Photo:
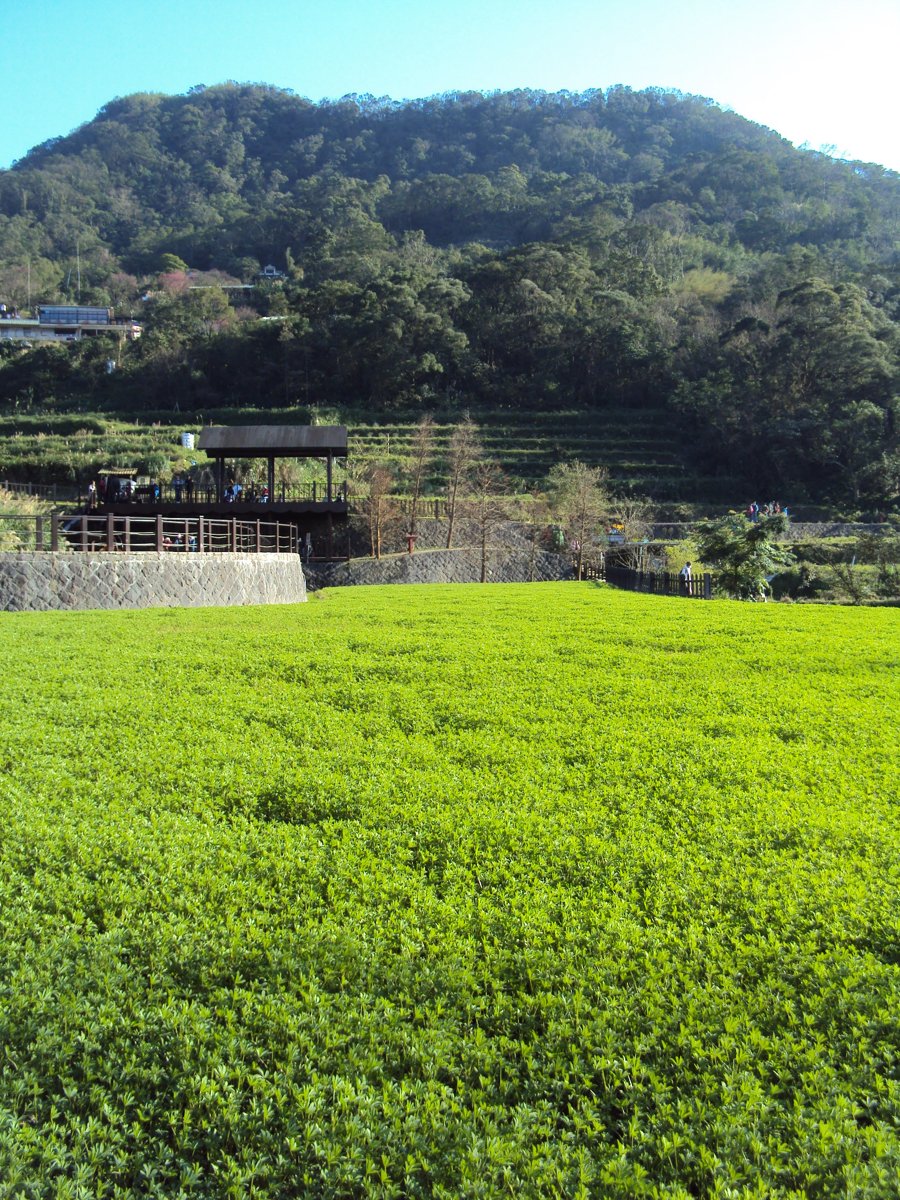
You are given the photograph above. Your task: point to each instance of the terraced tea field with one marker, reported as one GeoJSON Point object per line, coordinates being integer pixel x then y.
{"type": "Point", "coordinates": [640, 448]}
{"type": "Point", "coordinates": [538, 891]}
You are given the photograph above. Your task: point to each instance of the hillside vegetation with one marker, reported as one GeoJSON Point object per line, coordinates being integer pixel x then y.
{"type": "Point", "coordinates": [450, 892]}
{"type": "Point", "coordinates": [605, 252]}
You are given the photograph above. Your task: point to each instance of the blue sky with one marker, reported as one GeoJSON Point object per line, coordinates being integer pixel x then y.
{"type": "Point", "coordinates": [823, 72]}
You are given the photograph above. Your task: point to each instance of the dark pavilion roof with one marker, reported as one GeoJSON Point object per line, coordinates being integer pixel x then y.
{"type": "Point", "coordinates": [278, 441]}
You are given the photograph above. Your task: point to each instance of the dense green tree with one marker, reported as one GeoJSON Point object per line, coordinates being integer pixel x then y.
{"type": "Point", "coordinates": [747, 554]}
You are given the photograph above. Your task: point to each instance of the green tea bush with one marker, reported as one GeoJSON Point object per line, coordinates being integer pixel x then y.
{"type": "Point", "coordinates": [451, 892]}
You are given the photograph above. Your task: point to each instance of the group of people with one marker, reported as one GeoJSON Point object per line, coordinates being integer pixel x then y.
{"type": "Point", "coordinates": [116, 490]}
{"type": "Point", "coordinates": [235, 490]}
{"type": "Point", "coordinates": [183, 487]}
{"type": "Point", "coordinates": [753, 511]}
{"type": "Point", "coordinates": [178, 542]}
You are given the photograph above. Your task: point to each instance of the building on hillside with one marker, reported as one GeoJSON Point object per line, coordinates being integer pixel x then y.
{"type": "Point", "coordinates": [65, 323]}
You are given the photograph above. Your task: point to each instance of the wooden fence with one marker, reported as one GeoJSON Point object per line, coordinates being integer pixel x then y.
{"type": "Point", "coordinates": [109, 532]}
{"type": "Point", "coordinates": [661, 583]}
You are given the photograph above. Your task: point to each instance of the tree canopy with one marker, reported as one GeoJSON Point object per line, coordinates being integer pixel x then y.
{"type": "Point", "coordinates": [505, 251]}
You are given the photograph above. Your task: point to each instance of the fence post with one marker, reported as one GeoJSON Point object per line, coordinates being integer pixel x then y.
{"type": "Point", "coordinates": [258, 539]}
{"type": "Point", "coordinates": [84, 533]}
{"type": "Point", "coordinates": [200, 531]}
{"type": "Point", "coordinates": [54, 531]}
{"type": "Point", "coordinates": [707, 586]}
{"type": "Point", "coordinates": [234, 535]}
{"type": "Point", "coordinates": [159, 531]}
{"type": "Point", "coordinates": [110, 533]}
{"type": "Point", "coordinates": [39, 533]}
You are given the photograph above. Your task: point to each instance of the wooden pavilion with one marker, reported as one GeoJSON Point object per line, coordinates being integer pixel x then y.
{"type": "Point", "coordinates": [316, 516]}
{"type": "Point", "coordinates": [271, 442]}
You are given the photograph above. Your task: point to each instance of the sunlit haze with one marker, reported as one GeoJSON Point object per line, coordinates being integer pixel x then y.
{"type": "Point", "coordinates": [820, 72]}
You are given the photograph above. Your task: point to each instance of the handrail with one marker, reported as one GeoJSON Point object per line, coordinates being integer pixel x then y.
{"type": "Point", "coordinates": [124, 532]}
{"type": "Point", "coordinates": [206, 493]}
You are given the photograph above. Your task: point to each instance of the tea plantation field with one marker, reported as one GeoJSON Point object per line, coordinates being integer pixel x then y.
{"type": "Point", "coordinates": [539, 891]}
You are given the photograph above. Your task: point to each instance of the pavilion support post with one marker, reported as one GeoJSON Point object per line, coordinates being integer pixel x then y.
{"type": "Point", "coordinates": [329, 462]}
{"type": "Point", "coordinates": [270, 479]}
{"type": "Point", "coordinates": [220, 478]}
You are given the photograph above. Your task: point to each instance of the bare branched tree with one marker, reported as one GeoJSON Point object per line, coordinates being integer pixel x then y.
{"type": "Point", "coordinates": [533, 512]}
{"type": "Point", "coordinates": [421, 456]}
{"type": "Point", "coordinates": [634, 518]}
{"type": "Point", "coordinates": [464, 452]}
{"type": "Point", "coordinates": [379, 505]}
{"type": "Point", "coordinates": [487, 505]}
{"type": "Point", "coordinates": [579, 501]}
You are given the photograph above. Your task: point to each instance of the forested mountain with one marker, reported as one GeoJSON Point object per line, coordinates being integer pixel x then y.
{"type": "Point", "coordinates": [611, 249]}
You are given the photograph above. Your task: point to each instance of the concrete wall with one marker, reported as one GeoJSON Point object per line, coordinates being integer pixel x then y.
{"type": "Point", "coordinates": [34, 581]}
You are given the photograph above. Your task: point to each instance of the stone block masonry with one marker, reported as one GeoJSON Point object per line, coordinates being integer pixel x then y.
{"type": "Point", "coordinates": [37, 582]}
{"type": "Point", "coordinates": [443, 566]}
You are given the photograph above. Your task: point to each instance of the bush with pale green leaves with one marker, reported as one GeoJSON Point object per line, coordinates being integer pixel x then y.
{"type": "Point", "coordinates": [533, 891]}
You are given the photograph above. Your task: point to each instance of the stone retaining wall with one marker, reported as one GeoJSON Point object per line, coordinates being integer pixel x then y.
{"type": "Point", "coordinates": [35, 581]}
{"type": "Point", "coordinates": [443, 566]}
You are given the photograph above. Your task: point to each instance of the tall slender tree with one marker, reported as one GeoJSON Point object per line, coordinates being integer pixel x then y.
{"type": "Point", "coordinates": [422, 453]}
{"type": "Point", "coordinates": [487, 505]}
{"type": "Point", "coordinates": [378, 505]}
{"type": "Point", "coordinates": [464, 452]}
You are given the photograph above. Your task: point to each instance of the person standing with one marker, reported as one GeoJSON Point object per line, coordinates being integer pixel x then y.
{"type": "Point", "coordinates": [686, 579]}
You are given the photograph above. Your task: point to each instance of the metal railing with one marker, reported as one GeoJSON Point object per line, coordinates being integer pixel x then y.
{"type": "Point", "coordinates": [206, 493]}
{"type": "Point", "coordinates": [115, 532]}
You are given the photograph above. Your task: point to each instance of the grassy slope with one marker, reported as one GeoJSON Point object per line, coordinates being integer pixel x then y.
{"type": "Point", "coordinates": [460, 891]}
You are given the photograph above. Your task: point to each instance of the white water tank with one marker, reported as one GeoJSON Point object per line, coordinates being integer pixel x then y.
{"type": "Point", "coordinates": [187, 441]}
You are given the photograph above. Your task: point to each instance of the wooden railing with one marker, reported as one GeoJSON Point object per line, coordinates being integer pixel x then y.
{"type": "Point", "coordinates": [116, 532]}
